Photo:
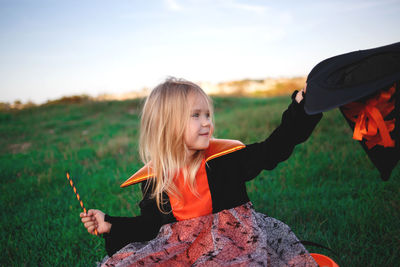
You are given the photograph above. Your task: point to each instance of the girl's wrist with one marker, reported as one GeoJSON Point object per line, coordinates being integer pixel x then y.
{"type": "Point", "coordinates": [108, 227]}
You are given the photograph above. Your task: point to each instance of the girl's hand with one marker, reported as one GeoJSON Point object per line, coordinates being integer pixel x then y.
{"type": "Point", "coordinates": [94, 219]}
{"type": "Point", "coordinates": [299, 96]}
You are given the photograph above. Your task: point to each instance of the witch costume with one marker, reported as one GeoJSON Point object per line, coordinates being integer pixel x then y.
{"type": "Point", "coordinates": [219, 226]}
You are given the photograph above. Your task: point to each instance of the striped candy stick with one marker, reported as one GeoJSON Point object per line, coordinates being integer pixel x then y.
{"type": "Point", "coordinates": [78, 197]}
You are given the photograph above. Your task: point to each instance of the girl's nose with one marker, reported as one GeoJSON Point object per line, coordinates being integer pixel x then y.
{"type": "Point", "coordinates": [205, 122]}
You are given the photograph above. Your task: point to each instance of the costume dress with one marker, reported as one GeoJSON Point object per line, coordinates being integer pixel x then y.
{"type": "Point", "coordinates": [220, 228]}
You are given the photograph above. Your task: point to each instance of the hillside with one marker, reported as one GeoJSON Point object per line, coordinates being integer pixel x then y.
{"type": "Point", "coordinates": [327, 191]}
{"type": "Point", "coordinates": [267, 87]}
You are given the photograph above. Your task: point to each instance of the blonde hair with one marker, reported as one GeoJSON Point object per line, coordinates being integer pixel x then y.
{"type": "Point", "coordinates": [165, 117]}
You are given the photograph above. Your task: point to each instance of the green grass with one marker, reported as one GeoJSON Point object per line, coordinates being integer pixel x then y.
{"type": "Point", "coordinates": [327, 191]}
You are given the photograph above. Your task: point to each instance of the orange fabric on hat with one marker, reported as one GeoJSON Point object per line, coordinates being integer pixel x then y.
{"type": "Point", "coordinates": [369, 119]}
{"type": "Point", "coordinates": [188, 205]}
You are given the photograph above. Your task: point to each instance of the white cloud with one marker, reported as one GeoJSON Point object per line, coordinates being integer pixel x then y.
{"type": "Point", "coordinates": [253, 8]}
{"type": "Point", "coordinates": [258, 9]}
{"type": "Point", "coordinates": [366, 5]}
{"type": "Point", "coordinates": [173, 5]}
{"type": "Point", "coordinates": [344, 6]}
{"type": "Point", "coordinates": [247, 34]}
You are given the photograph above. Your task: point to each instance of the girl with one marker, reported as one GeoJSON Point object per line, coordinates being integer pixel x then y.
{"type": "Point", "coordinates": [195, 209]}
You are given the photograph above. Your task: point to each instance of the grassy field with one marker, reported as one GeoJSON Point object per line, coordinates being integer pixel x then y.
{"type": "Point", "coordinates": [328, 191]}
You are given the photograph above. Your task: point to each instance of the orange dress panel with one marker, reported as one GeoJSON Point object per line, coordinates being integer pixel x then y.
{"type": "Point", "coordinates": [189, 205]}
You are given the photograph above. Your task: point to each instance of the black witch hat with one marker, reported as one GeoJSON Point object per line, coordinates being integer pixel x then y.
{"type": "Point", "coordinates": [365, 85]}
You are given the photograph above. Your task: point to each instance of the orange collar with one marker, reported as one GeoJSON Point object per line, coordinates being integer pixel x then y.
{"type": "Point", "coordinates": [217, 148]}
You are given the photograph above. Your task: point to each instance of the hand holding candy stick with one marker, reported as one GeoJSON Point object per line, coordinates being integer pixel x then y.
{"type": "Point", "coordinates": [94, 221]}
{"type": "Point", "coordinates": [79, 198]}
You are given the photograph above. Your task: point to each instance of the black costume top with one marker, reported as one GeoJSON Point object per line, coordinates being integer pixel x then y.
{"type": "Point", "coordinates": [227, 173]}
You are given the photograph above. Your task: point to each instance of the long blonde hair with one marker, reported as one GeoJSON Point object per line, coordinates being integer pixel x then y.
{"type": "Point", "coordinates": [165, 117]}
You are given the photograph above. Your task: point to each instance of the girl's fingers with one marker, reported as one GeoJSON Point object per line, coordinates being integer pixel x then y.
{"type": "Point", "coordinates": [86, 219]}
{"type": "Point", "coordinates": [89, 221]}
{"type": "Point", "coordinates": [91, 212]}
{"type": "Point", "coordinates": [89, 224]}
{"type": "Point", "coordinates": [299, 96]}
{"type": "Point", "coordinates": [91, 229]}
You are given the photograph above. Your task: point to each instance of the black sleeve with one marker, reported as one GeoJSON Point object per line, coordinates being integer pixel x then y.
{"type": "Point", "coordinates": [125, 230]}
{"type": "Point", "coordinates": [296, 126]}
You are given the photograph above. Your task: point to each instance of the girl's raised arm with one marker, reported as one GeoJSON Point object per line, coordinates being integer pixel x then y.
{"type": "Point", "coordinates": [296, 126]}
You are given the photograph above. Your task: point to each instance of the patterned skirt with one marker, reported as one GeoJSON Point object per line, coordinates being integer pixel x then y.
{"type": "Point", "coordinates": [236, 237]}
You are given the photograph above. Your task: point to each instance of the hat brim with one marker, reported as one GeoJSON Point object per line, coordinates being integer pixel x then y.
{"type": "Point", "coordinates": [331, 83]}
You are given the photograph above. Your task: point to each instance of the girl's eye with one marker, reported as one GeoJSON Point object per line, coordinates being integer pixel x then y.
{"type": "Point", "coordinates": [196, 115]}
{"type": "Point", "coordinates": [208, 115]}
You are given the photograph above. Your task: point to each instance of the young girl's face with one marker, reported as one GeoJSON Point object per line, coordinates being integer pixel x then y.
{"type": "Point", "coordinates": [199, 129]}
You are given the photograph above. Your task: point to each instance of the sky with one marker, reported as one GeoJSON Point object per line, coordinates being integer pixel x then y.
{"type": "Point", "coordinates": [50, 48]}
